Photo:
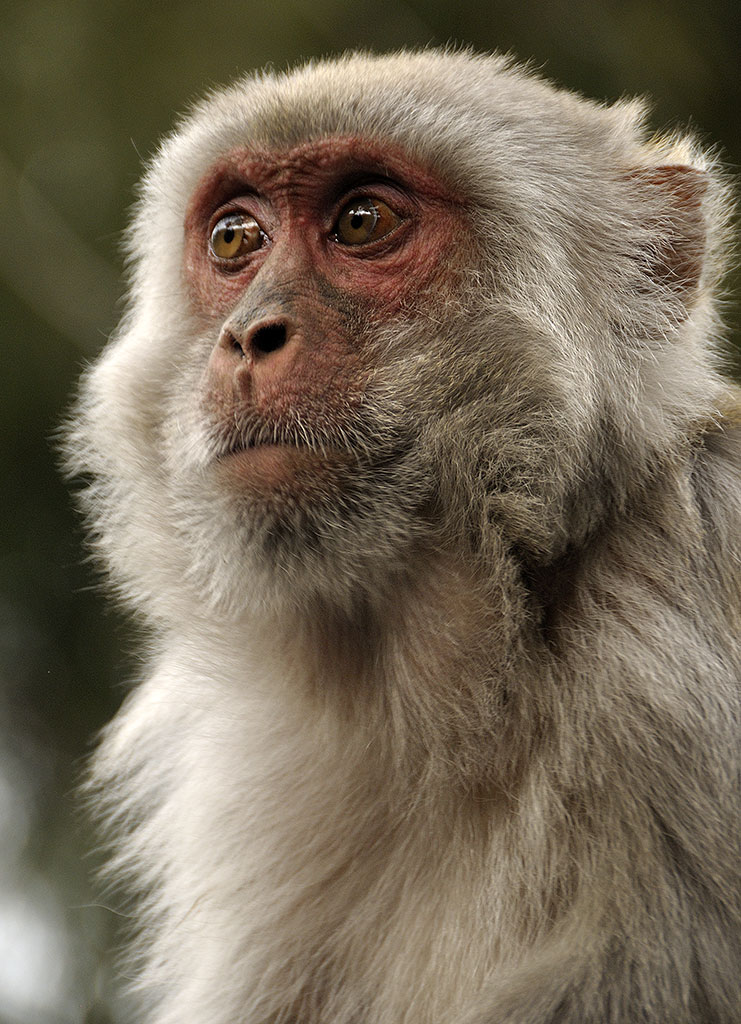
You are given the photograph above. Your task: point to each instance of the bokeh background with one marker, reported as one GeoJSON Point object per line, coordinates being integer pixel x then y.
{"type": "Point", "coordinates": [87, 89]}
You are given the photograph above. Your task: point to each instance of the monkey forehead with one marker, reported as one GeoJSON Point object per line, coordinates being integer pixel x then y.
{"type": "Point", "coordinates": [315, 165]}
{"type": "Point", "coordinates": [468, 118]}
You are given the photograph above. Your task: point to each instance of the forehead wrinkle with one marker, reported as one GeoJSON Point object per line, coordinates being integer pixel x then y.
{"type": "Point", "coordinates": [257, 167]}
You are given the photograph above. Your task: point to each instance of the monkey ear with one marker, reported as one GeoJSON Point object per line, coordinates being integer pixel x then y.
{"type": "Point", "coordinates": [677, 223]}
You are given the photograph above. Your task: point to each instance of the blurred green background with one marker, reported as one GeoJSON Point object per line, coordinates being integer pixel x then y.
{"type": "Point", "coordinates": [88, 87]}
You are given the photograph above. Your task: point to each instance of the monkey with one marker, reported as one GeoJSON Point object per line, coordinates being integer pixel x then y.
{"type": "Point", "coordinates": [414, 459]}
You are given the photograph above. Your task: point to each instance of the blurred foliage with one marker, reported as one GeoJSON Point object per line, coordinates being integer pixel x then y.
{"type": "Point", "coordinates": [87, 89]}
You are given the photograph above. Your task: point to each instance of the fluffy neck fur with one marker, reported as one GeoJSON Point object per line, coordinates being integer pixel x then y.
{"type": "Point", "coordinates": [369, 774]}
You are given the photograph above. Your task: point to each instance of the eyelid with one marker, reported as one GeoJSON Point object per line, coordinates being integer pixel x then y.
{"type": "Point", "coordinates": [374, 188]}
{"type": "Point", "coordinates": [244, 203]}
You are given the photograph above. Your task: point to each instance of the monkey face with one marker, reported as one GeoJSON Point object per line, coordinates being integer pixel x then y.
{"type": "Point", "coordinates": [311, 275]}
{"type": "Point", "coordinates": [292, 259]}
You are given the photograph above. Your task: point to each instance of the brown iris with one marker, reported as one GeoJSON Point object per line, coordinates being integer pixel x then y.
{"type": "Point", "coordinates": [235, 235]}
{"type": "Point", "coordinates": [365, 220]}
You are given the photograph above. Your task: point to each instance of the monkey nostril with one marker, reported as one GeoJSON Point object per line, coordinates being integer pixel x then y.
{"type": "Point", "coordinates": [229, 342]}
{"type": "Point", "coordinates": [269, 338]}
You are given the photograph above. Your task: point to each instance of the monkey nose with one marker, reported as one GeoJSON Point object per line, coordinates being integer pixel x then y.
{"type": "Point", "coordinates": [257, 340]}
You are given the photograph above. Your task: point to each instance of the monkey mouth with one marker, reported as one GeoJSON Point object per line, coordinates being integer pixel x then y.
{"type": "Point", "coordinates": [265, 468]}
{"type": "Point", "coordinates": [266, 456]}
{"type": "Point", "coordinates": [291, 454]}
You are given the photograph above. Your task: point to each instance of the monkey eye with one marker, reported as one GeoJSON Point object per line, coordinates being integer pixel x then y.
{"type": "Point", "coordinates": [235, 235]}
{"type": "Point", "coordinates": [365, 220]}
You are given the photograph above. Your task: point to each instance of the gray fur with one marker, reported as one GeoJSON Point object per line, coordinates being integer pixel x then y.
{"type": "Point", "coordinates": [461, 747]}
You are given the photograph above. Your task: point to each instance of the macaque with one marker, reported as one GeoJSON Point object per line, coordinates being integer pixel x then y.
{"type": "Point", "coordinates": [413, 456]}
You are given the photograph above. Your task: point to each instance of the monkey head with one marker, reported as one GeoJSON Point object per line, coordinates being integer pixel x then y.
{"type": "Point", "coordinates": [381, 306]}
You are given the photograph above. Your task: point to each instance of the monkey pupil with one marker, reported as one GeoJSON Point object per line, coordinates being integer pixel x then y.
{"type": "Point", "coordinates": [356, 221]}
{"type": "Point", "coordinates": [228, 235]}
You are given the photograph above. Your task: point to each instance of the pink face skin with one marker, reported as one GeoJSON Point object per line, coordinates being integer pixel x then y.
{"type": "Point", "coordinates": [288, 312]}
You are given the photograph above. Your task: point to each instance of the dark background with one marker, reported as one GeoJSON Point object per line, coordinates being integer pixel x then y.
{"type": "Point", "coordinates": [87, 88]}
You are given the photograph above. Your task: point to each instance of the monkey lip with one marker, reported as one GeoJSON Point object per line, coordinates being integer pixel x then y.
{"type": "Point", "coordinates": [268, 464]}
